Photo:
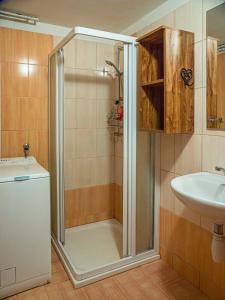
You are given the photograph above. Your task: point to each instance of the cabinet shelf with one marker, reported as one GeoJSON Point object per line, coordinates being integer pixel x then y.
{"type": "Point", "coordinates": [158, 82]}
{"type": "Point", "coordinates": [165, 103]}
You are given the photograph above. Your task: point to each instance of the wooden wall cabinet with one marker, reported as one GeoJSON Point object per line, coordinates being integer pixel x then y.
{"type": "Point", "coordinates": [165, 103]}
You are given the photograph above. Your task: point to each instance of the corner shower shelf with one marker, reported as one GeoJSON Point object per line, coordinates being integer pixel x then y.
{"type": "Point", "coordinates": [115, 123]}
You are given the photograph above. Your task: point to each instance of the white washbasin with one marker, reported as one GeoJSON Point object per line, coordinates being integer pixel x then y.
{"type": "Point", "coordinates": [202, 192]}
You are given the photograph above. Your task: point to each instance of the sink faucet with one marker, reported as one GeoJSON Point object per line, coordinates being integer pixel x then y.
{"type": "Point", "coordinates": [220, 169]}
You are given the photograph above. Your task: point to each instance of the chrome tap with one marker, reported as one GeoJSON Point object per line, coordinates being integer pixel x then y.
{"type": "Point", "coordinates": [217, 168]}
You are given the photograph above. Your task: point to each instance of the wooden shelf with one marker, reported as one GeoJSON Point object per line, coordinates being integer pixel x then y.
{"type": "Point", "coordinates": [153, 83]}
{"type": "Point", "coordinates": [165, 103]}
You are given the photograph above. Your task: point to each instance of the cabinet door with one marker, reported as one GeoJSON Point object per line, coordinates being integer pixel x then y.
{"type": "Point", "coordinates": [179, 98]}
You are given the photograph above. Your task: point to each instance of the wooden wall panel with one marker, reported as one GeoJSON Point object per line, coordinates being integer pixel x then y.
{"type": "Point", "coordinates": [24, 92]}
{"type": "Point", "coordinates": [179, 107]}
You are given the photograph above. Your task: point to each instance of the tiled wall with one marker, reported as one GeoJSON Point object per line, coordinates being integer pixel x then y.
{"type": "Point", "coordinates": [91, 152]}
{"type": "Point", "coordinates": [24, 93]}
{"type": "Point", "coordinates": [185, 237]}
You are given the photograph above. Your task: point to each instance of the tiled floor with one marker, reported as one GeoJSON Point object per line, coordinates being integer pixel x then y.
{"type": "Point", "coordinates": [154, 281]}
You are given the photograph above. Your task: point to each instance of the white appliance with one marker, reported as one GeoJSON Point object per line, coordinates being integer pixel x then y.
{"type": "Point", "coordinates": [25, 245]}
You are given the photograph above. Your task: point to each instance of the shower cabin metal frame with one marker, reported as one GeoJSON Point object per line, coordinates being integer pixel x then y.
{"type": "Point", "coordinates": [129, 163]}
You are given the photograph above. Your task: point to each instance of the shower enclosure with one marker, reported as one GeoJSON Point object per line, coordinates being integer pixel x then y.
{"type": "Point", "coordinates": [103, 208]}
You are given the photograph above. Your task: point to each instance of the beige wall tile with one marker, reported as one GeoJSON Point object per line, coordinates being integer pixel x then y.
{"type": "Point", "coordinates": [189, 17]}
{"type": "Point", "coordinates": [69, 83]}
{"type": "Point", "coordinates": [85, 54]}
{"type": "Point", "coordinates": [82, 172]}
{"type": "Point", "coordinates": [167, 152]}
{"type": "Point", "coordinates": [105, 142]}
{"type": "Point", "coordinates": [85, 84]}
{"type": "Point", "coordinates": [198, 113]}
{"type": "Point", "coordinates": [207, 223]}
{"type": "Point", "coordinates": [168, 20]}
{"type": "Point", "coordinates": [184, 212]}
{"type": "Point", "coordinates": [70, 144]}
{"type": "Point", "coordinates": [85, 143]}
{"type": "Point", "coordinates": [198, 64]}
{"type": "Point", "coordinates": [68, 174]}
{"type": "Point", "coordinates": [105, 168]}
{"type": "Point", "coordinates": [104, 52]}
{"type": "Point", "coordinates": [104, 108]}
{"type": "Point", "coordinates": [70, 113]}
{"type": "Point", "coordinates": [213, 152]}
{"type": "Point", "coordinates": [69, 54]}
{"type": "Point", "coordinates": [119, 147]}
{"type": "Point", "coordinates": [167, 196]}
{"type": "Point", "coordinates": [119, 170]}
{"type": "Point", "coordinates": [105, 87]}
{"type": "Point", "coordinates": [86, 113]}
{"type": "Point", "coordinates": [188, 153]}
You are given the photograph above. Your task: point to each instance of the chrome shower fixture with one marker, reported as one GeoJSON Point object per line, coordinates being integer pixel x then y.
{"type": "Point", "coordinates": [112, 65]}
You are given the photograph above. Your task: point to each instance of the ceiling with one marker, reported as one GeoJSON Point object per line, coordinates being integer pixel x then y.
{"type": "Point", "coordinates": [109, 15]}
{"type": "Point", "coordinates": [215, 23]}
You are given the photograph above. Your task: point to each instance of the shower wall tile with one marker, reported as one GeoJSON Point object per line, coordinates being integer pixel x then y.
{"type": "Point", "coordinates": [85, 84]}
{"type": "Point", "coordinates": [105, 87]}
{"type": "Point", "coordinates": [119, 171]}
{"type": "Point", "coordinates": [85, 143]}
{"type": "Point", "coordinates": [69, 54]}
{"type": "Point", "coordinates": [105, 169]}
{"type": "Point", "coordinates": [70, 111]}
{"type": "Point", "coordinates": [105, 52]}
{"type": "Point", "coordinates": [104, 108]}
{"type": "Point", "coordinates": [84, 172]}
{"type": "Point", "coordinates": [119, 147]}
{"type": "Point", "coordinates": [105, 142]}
{"type": "Point", "coordinates": [69, 83]}
{"type": "Point", "coordinates": [86, 113]}
{"type": "Point", "coordinates": [85, 54]}
{"type": "Point", "coordinates": [69, 145]}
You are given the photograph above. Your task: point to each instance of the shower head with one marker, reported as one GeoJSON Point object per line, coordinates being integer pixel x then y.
{"type": "Point", "coordinates": [112, 65]}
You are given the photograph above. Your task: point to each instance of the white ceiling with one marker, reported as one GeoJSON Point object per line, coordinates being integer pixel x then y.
{"type": "Point", "coordinates": [109, 15]}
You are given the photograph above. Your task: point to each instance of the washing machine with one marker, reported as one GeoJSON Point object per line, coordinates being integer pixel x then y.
{"type": "Point", "coordinates": [25, 244]}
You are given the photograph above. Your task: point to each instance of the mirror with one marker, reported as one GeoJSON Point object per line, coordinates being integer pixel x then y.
{"type": "Point", "coordinates": [215, 60]}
